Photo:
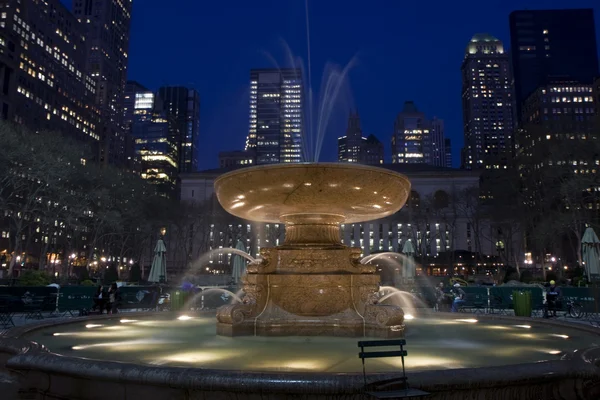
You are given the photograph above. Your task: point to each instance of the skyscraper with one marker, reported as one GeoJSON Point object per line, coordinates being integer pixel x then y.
{"type": "Point", "coordinates": [350, 145]}
{"type": "Point", "coordinates": [354, 147]}
{"type": "Point", "coordinates": [487, 104]}
{"type": "Point", "coordinates": [132, 89]}
{"type": "Point", "coordinates": [448, 149]}
{"type": "Point", "coordinates": [438, 143]}
{"type": "Point", "coordinates": [548, 45]}
{"type": "Point", "coordinates": [155, 151]}
{"type": "Point", "coordinates": [43, 80]}
{"type": "Point", "coordinates": [276, 116]}
{"type": "Point", "coordinates": [372, 151]}
{"type": "Point", "coordinates": [181, 108]}
{"type": "Point", "coordinates": [411, 141]}
{"type": "Point", "coordinates": [107, 24]}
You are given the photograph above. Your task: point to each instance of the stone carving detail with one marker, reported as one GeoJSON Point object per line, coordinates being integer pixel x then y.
{"type": "Point", "coordinates": [235, 313]}
{"type": "Point", "coordinates": [384, 315]}
{"type": "Point", "coordinates": [264, 264]}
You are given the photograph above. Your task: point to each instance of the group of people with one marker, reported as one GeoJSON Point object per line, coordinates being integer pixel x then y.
{"type": "Point", "coordinates": [452, 299]}
{"type": "Point", "coordinates": [107, 299]}
{"type": "Point", "coordinates": [455, 297]}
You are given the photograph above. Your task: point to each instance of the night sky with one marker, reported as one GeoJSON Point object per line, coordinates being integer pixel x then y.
{"type": "Point", "coordinates": [404, 50]}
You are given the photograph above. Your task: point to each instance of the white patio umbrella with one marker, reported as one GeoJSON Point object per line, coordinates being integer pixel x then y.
{"type": "Point", "coordinates": [590, 249]}
{"type": "Point", "coordinates": [239, 263]}
{"type": "Point", "coordinates": [409, 263]}
{"type": "Point", "coordinates": [159, 263]}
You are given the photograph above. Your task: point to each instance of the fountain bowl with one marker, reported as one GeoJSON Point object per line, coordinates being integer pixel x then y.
{"type": "Point", "coordinates": [347, 193]}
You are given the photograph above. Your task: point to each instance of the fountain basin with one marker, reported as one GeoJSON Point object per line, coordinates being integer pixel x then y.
{"type": "Point", "coordinates": [330, 192]}
{"type": "Point", "coordinates": [493, 358]}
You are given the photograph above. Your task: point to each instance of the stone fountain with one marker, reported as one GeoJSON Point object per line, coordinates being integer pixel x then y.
{"type": "Point", "coordinates": [312, 284]}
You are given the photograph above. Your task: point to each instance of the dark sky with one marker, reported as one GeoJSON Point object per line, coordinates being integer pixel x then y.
{"type": "Point", "coordinates": [405, 50]}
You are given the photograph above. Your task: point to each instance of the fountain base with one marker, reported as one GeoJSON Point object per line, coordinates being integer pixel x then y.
{"type": "Point", "coordinates": [333, 295]}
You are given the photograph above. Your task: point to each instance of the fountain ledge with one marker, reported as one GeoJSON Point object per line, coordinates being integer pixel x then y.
{"type": "Point", "coordinates": [39, 370]}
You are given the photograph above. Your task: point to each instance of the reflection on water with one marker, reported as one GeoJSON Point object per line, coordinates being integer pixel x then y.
{"type": "Point", "coordinates": [432, 343]}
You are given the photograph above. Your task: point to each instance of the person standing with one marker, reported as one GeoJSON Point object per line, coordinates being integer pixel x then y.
{"type": "Point", "coordinates": [114, 298]}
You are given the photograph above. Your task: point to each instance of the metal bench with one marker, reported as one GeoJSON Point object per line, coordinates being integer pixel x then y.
{"type": "Point", "coordinates": [405, 391]}
{"type": "Point", "coordinates": [9, 306]}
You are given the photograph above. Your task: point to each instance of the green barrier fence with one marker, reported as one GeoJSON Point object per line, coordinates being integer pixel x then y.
{"type": "Point", "coordinates": [75, 298]}
{"type": "Point", "coordinates": [138, 297]}
{"type": "Point", "coordinates": [588, 298]}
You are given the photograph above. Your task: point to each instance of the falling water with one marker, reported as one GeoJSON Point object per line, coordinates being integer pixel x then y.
{"type": "Point", "coordinates": [191, 303]}
{"type": "Point", "coordinates": [395, 261]}
{"type": "Point", "coordinates": [333, 83]}
{"type": "Point", "coordinates": [205, 258]}
{"type": "Point", "coordinates": [408, 301]}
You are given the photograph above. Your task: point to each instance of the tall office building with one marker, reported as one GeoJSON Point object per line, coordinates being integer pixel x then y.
{"type": "Point", "coordinates": [155, 149]}
{"type": "Point", "coordinates": [43, 81]}
{"type": "Point", "coordinates": [411, 140]}
{"type": "Point", "coordinates": [276, 117]}
{"type": "Point", "coordinates": [132, 89]}
{"type": "Point", "coordinates": [487, 99]}
{"type": "Point", "coordinates": [107, 24]}
{"type": "Point", "coordinates": [438, 143]}
{"type": "Point", "coordinates": [550, 45]}
{"type": "Point", "coordinates": [448, 150]}
{"type": "Point", "coordinates": [181, 108]}
{"type": "Point", "coordinates": [372, 151]}
{"type": "Point", "coordinates": [354, 147]}
{"type": "Point", "coordinates": [350, 145]}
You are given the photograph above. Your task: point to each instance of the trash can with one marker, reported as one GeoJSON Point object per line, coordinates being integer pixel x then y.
{"type": "Point", "coordinates": [522, 303]}
{"type": "Point", "coordinates": [178, 298]}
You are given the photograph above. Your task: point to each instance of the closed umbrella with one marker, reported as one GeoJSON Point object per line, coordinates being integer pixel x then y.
{"type": "Point", "coordinates": [239, 263]}
{"type": "Point", "coordinates": [590, 249]}
{"type": "Point", "coordinates": [158, 272]}
{"type": "Point", "coordinates": [409, 262]}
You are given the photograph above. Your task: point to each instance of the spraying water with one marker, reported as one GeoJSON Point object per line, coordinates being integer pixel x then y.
{"type": "Point", "coordinates": [192, 302]}
{"type": "Point", "coordinates": [333, 83]}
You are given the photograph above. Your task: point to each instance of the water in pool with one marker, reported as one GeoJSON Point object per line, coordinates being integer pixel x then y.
{"type": "Point", "coordinates": [191, 341]}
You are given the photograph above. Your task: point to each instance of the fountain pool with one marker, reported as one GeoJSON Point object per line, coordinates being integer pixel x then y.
{"type": "Point", "coordinates": [433, 343]}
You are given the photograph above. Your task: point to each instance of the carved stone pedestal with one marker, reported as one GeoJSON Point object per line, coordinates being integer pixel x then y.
{"type": "Point", "coordinates": [307, 292]}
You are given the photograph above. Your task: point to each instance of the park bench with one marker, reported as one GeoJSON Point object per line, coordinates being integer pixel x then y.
{"type": "Point", "coordinates": [378, 389]}
{"type": "Point", "coordinates": [36, 305]}
{"type": "Point", "coordinates": [9, 306]}
{"type": "Point", "coordinates": [75, 299]}
{"type": "Point", "coordinates": [474, 302]}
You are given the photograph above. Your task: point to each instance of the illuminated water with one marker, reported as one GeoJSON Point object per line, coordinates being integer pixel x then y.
{"type": "Point", "coordinates": [432, 343]}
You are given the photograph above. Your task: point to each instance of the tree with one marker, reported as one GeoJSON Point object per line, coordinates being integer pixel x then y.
{"type": "Point", "coordinates": [37, 167]}
{"type": "Point", "coordinates": [562, 193]}
{"type": "Point", "coordinates": [53, 198]}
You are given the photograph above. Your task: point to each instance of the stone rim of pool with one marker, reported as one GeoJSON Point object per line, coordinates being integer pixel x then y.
{"type": "Point", "coordinates": [575, 377]}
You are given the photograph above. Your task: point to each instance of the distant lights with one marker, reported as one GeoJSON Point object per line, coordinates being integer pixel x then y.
{"type": "Point", "coordinates": [184, 317]}
{"type": "Point", "coordinates": [469, 320]}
